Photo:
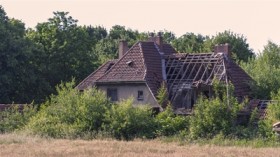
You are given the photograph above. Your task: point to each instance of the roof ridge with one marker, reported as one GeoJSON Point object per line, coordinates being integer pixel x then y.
{"type": "Point", "coordinates": [158, 50]}
{"type": "Point", "coordinates": [141, 50]}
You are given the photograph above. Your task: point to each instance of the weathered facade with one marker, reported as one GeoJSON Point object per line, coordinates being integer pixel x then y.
{"type": "Point", "coordinates": [140, 71]}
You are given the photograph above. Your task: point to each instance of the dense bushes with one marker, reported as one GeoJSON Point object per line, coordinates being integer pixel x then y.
{"type": "Point", "coordinates": [272, 116]}
{"type": "Point", "coordinates": [15, 117]}
{"type": "Point", "coordinates": [88, 114]}
{"type": "Point", "coordinates": [127, 122]}
{"type": "Point", "coordinates": [212, 117]}
{"type": "Point", "coordinates": [170, 124]}
{"type": "Point", "coordinates": [70, 113]}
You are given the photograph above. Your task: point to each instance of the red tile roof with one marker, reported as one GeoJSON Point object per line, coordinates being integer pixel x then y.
{"type": "Point", "coordinates": [130, 67]}
{"type": "Point", "coordinates": [142, 62]}
{"type": "Point", "coordinates": [168, 49]}
{"type": "Point", "coordinates": [152, 60]}
{"type": "Point", "coordinates": [89, 81]}
{"type": "Point", "coordinates": [239, 78]}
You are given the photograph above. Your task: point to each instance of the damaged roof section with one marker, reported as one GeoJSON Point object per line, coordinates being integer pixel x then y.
{"type": "Point", "coordinates": [186, 71]}
{"type": "Point", "coordinates": [191, 70]}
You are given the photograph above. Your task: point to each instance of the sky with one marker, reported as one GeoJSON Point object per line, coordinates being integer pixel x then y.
{"type": "Point", "coordinates": [257, 20]}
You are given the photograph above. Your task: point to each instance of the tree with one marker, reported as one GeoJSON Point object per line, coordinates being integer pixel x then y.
{"type": "Point", "coordinates": [20, 81]}
{"type": "Point", "coordinates": [190, 43]}
{"type": "Point", "coordinates": [67, 48]}
{"type": "Point", "coordinates": [239, 47]}
{"type": "Point", "coordinates": [265, 70]}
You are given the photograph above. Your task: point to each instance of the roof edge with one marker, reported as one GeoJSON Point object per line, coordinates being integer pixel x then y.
{"type": "Point", "coordinates": [100, 67]}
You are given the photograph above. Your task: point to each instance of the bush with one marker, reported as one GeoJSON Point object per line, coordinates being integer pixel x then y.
{"type": "Point", "coordinates": [70, 113]}
{"type": "Point", "coordinates": [124, 121]}
{"type": "Point", "coordinates": [272, 116]}
{"type": "Point", "coordinates": [15, 118]}
{"type": "Point", "coordinates": [214, 116]}
{"type": "Point", "coordinates": [170, 124]}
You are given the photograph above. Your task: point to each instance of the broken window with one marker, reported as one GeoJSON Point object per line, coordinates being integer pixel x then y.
{"type": "Point", "coordinates": [112, 94]}
{"type": "Point", "coordinates": [140, 96]}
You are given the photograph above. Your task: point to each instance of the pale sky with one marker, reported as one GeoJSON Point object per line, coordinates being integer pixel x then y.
{"type": "Point", "coordinates": [257, 20]}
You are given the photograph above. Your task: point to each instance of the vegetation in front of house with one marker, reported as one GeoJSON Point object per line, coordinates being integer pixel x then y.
{"type": "Point", "coordinates": [89, 114]}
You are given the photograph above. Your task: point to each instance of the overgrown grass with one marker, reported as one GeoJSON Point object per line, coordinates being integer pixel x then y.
{"type": "Point", "coordinates": [25, 145]}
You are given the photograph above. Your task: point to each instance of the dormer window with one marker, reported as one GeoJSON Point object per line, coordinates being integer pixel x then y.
{"type": "Point", "coordinates": [129, 63]}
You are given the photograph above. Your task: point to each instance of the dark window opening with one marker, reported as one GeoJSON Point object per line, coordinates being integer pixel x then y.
{"type": "Point", "coordinates": [140, 96]}
{"type": "Point", "coordinates": [112, 93]}
{"type": "Point", "coordinates": [206, 93]}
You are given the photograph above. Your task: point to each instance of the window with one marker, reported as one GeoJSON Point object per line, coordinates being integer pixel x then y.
{"type": "Point", "coordinates": [112, 93]}
{"type": "Point", "coordinates": [140, 96]}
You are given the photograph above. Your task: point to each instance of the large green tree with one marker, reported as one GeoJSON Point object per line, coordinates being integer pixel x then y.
{"type": "Point", "coordinates": [66, 48]}
{"type": "Point", "coordinates": [20, 80]}
{"type": "Point", "coordinates": [265, 70]}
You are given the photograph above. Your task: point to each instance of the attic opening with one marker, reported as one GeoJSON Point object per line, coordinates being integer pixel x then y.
{"type": "Point", "coordinates": [129, 63]}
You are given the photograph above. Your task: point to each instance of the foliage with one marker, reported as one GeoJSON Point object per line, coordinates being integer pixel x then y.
{"type": "Point", "coordinates": [214, 116]}
{"type": "Point", "coordinates": [189, 43]}
{"type": "Point", "coordinates": [171, 124]}
{"type": "Point", "coordinates": [162, 95]}
{"type": "Point", "coordinates": [124, 121]}
{"type": "Point", "coordinates": [272, 116]}
{"type": "Point", "coordinates": [15, 117]}
{"type": "Point", "coordinates": [65, 46]}
{"type": "Point", "coordinates": [239, 47]}
{"type": "Point", "coordinates": [70, 113]}
{"type": "Point", "coordinates": [20, 81]}
{"type": "Point", "coordinates": [265, 70]}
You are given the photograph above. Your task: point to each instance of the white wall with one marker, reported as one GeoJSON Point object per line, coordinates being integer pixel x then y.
{"type": "Point", "coordinates": [131, 90]}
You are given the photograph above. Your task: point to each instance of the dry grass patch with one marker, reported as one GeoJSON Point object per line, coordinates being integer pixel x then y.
{"type": "Point", "coordinates": [12, 145]}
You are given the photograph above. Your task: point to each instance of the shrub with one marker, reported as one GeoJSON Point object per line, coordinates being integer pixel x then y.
{"type": "Point", "coordinates": [170, 124]}
{"type": "Point", "coordinates": [214, 116]}
{"type": "Point", "coordinates": [15, 118]}
{"type": "Point", "coordinates": [70, 113]}
{"type": "Point", "coordinates": [162, 95]}
{"type": "Point", "coordinates": [272, 116]}
{"type": "Point", "coordinates": [124, 121]}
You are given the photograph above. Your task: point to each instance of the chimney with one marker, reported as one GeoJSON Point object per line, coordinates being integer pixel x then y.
{"type": "Point", "coordinates": [122, 48]}
{"type": "Point", "coordinates": [158, 39]}
{"type": "Point", "coordinates": [223, 48]}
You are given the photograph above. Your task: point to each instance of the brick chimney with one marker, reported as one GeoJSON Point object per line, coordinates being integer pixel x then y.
{"type": "Point", "coordinates": [223, 48]}
{"type": "Point", "coordinates": [158, 39]}
{"type": "Point", "coordinates": [123, 47]}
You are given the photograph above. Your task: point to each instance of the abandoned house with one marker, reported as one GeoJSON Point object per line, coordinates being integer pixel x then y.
{"type": "Point", "coordinates": [140, 70]}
